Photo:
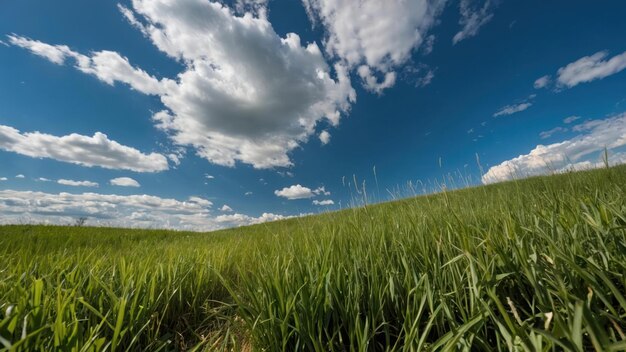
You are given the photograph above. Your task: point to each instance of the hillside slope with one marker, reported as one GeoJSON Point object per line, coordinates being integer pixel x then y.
{"type": "Point", "coordinates": [536, 264]}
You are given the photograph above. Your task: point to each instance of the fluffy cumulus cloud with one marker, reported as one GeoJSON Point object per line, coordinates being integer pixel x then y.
{"type": "Point", "coordinates": [117, 210]}
{"type": "Point", "coordinates": [246, 94]}
{"type": "Point", "coordinates": [125, 182]}
{"type": "Point", "coordinates": [590, 68]}
{"type": "Point", "coordinates": [300, 192]}
{"type": "Point", "coordinates": [324, 137]}
{"type": "Point", "coordinates": [77, 183]}
{"type": "Point", "coordinates": [295, 192]}
{"type": "Point", "coordinates": [474, 14]}
{"type": "Point", "coordinates": [512, 109]}
{"type": "Point", "coordinates": [373, 36]}
{"type": "Point", "coordinates": [97, 150]}
{"type": "Point", "coordinates": [583, 150]}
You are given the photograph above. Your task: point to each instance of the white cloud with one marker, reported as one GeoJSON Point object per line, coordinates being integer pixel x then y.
{"type": "Point", "coordinates": [549, 133]}
{"type": "Point", "coordinates": [512, 109]}
{"type": "Point", "coordinates": [107, 66]}
{"type": "Point", "coordinates": [300, 192]}
{"type": "Point", "coordinates": [595, 135]}
{"type": "Point", "coordinates": [201, 201]}
{"type": "Point", "coordinates": [3, 178]}
{"type": "Point", "coordinates": [143, 211]}
{"type": "Point", "coordinates": [429, 44]}
{"type": "Point", "coordinates": [590, 68]}
{"type": "Point", "coordinates": [420, 75]}
{"type": "Point", "coordinates": [245, 94]}
{"type": "Point", "coordinates": [125, 182]}
{"type": "Point", "coordinates": [237, 219]}
{"type": "Point", "coordinates": [321, 190]}
{"type": "Point", "coordinates": [324, 137]}
{"type": "Point", "coordinates": [472, 18]}
{"type": "Point", "coordinates": [77, 183]}
{"type": "Point", "coordinates": [226, 208]}
{"type": "Point", "coordinates": [380, 35]}
{"type": "Point", "coordinates": [323, 202]}
{"type": "Point", "coordinates": [372, 83]}
{"type": "Point", "coordinates": [295, 192]}
{"type": "Point", "coordinates": [571, 119]}
{"type": "Point", "coordinates": [43, 179]}
{"type": "Point", "coordinates": [247, 193]}
{"type": "Point", "coordinates": [209, 177]}
{"type": "Point", "coordinates": [256, 7]}
{"type": "Point", "coordinates": [542, 82]}
{"type": "Point", "coordinates": [54, 53]}
{"type": "Point", "coordinates": [19, 176]}
{"type": "Point", "coordinates": [98, 150]}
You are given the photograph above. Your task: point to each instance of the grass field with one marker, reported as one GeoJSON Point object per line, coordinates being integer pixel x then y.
{"type": "Point", "coordinates": [532, 265]}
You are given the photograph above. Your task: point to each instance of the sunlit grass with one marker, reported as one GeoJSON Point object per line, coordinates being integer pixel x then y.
{"type": "Point", "coordinates": [528, 265]}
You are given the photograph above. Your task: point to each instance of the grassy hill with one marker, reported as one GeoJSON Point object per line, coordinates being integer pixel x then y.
{"type": "Point", "coordinates": [528, 265]}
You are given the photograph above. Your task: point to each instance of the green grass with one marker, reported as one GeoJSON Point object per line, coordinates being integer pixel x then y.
{"type": "Point", "coordinates": [533, 265]}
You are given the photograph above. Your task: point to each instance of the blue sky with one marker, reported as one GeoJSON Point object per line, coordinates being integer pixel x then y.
{"type": "Point", "coordinates": [158, 113]}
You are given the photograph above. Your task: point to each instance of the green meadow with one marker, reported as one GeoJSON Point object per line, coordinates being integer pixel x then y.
{"type": "Point", "coordinates": [530, 265]}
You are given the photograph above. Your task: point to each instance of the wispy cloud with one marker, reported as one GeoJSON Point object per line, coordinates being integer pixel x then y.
{"type": "Point", "coordinates": [512, 109]}
{"type": "Point", "coordinates": [590, 68]}
{"type": "Point", "coordinates": [571, 119]}
{"type": "Point", "coordinates": [473, 18]}
{"type": "Point", "coordinates": [542, 82]}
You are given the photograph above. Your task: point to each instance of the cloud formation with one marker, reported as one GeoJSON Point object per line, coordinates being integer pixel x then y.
{"type": "Point", "coordinates": [300, 192]}
{"type": "Point", "coordinates": [590, 68]}
{"type": "Point", "coordinates": [542, 82]}
{"type": "Point", "coordinates": [246, 94]}
{"type": "Point", "coordinates": [77, 183]}
{"type": "Point", "coordinates": [581, 150]}
{"type": "Point", "coordinates": [125, 182]}
{"type": "Point", "coordinates": [549, 133]}
{"type": "Point", "coordinates": [108, 66]}
{"type": "Point", "coordinates": [512, 109]}
{"type": "Point", "coordinates": [571, 119]}
{"type": "Point", "coordinates": [97, 150]}
{"type": "Point", "coordinates": [143, 211]}
{"type": "Point", "coordinates": [472, 18]}
{"type": "Point", "coordinates": [324, 137]}
{"type": "Point", "coordinates": [237, 219]}
{"type": "Point", "coordinates": [375, 36]}
{"type": "Point", "coordinates": [323, 202]}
